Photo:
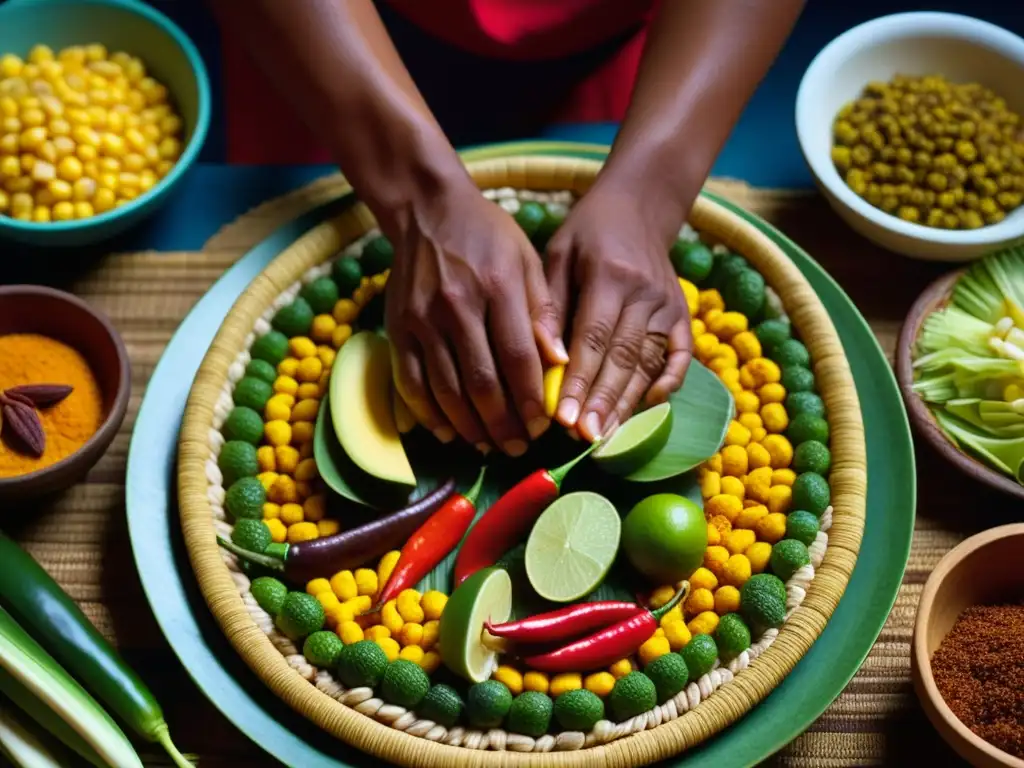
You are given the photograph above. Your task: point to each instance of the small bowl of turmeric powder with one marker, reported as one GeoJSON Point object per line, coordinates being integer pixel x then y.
{"type": "Point", "coordinates": [967, 652]}
{"type": "Point", "coordinates": [913, 128]}
{"type": "Point", "coordinates": [65, 382]}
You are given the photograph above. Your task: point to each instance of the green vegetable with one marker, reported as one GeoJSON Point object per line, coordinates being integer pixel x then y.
{"type": "Point", "coordinates": [253, 535]}
{"type": "Point", "coordinates": [802, 526]}
{"type": "Point", "coordinates": [294, 319]}
{"type": "Point", "coordinates": [348, 274]}
{"type": "Point", "coordinates": [404, 683]}
{"type": "Point", "coordinates": [791, 352]}
{"type": "Point", "coordinates": [237, 459]}
{"type": "Point", "coordinates": [362, 664]}
{"type": "Point", "coordinates": [442, 704]}
{"type": "Point", "coordinates": [300, 615]}
{"type": "Point", "coordinates": [763, 601]}
{"type": "Point", "coordinates": [37, 601]}
{"type": "Point", "coordinates": [699, 654]}
{"type": "Point", "coordinates": [487, 703]}
{"type": "Point", "coordinates": [732, 636]}
{"type": "Point", "coordinates": [321, 295]}
{"type": "Point", "coordinates": [245, 499]}
{"type": "Point", "coordinates": [269, 593]}
{"type": "Point", "coordinates": [530, 714]}
{"type": "Point", "coordinates": [745, 293]}
{"type": "Point", "coordinates": [807, 426]}
{"type": "Point", "coordinates": [771, 333]}
{"type": "Point", "coordinates": [578, 710]}
{"type": "Point", "coordinates": [243, 424]}
{"type": "Point", "coordinates": [812, 455]}
{"type": "Point", "coordinates": [252, 393]}
{"type": "Point", "coordinates": [811, 492]}
{"type": "Point", "coordinates": [669, 674]}
{"type": "Point", "coordinates": [322, 648]}
{"type": "Point", "coordinates": [788, 557]}
{"type": "Point", "coordinates": [272, 348]}
{"type": "Point", "coordinates": [691, 259]}
{"type": "Point", "coordinates": [530, 217]}
{"type": "Point", "coordinates": [261, 369]}
{"type": "Point", "coordinates": [553, 218]}
{"type": "Point", "coordinates": [377, 256]}
{"type": "Point", "coordinates": [37, 684]}
{"type": "Point", "coordinates": [796, 378]}
{"type": "Point", "coordinates": [632, 695]}
{"type": "Point", "coordinates": [726, 267]}
{"type": "Point", "coordinates": [27, 746]}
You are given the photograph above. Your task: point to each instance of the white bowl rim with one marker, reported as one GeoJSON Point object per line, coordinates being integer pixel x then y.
{"type": "Point", "coordinates": [883, 29]}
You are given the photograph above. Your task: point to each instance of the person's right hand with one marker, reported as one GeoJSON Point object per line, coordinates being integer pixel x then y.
{"type": "Point", "coordinates": [464, 293]}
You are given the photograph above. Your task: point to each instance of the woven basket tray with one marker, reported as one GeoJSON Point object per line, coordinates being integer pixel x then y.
{"type": "Point", "coordinates": [388, 734]}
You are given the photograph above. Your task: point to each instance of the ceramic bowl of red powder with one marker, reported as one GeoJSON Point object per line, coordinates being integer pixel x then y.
{"type": "Point", "coordinates": [49, 338]}
{"type": "Point", "coordinates": [967, 655]}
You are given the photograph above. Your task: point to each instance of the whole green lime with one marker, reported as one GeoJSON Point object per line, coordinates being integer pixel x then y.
{"type": "Point", "coordinates": [699, 654]}
{"type": "Point", "coordinates": [553, 218]}
{"type": "Point", "coordinates": [812, 455]}
{"type": "Point", "coordinates": [347, 274]}
{"type": "Point", "coordinates": [378, 255]}
{"type": "Point", "coordinates": [271, 347]}
{"type": "Point", "coordinates": [300, 615]}
{"type": "Point", "coordinates": [578, 710]}
{"type": "Point", "coordinates": [811, 492]}
{"type": "Point", "coordinates": [252, 393]}
{"type": "Point", "coordinates": [243, 424]}
{"type": "Point", "coordinates": [404, 684]}
{"type": "Point", "coordinates": [530, 714]}
{"type": "Point", "coordinates": [530, 216]}
{"type": "Point", "coordinates": [669, 674]}
{"type": "Point", "coordinates": [321, 295]}
{"type": "Point", "coordinates": [269, 593]}
{"type": "Point", "coordinates": [237, 459]}
{"type": "Point", "coordinates": [632, 695]}
{"type": "Point", "coordinates": [245, 498]}
{"type": "Point", "coordinates": [744, 293]}
{"type": "Point", "coordinates": [771, 333]}
{"type": "Point", "coordinates": [802, 526]}
{"type": "Point", "coordinates": [252, 535]}
{"type": "Point", "coordinates": [732, 636]}
{"type": "Point", "coordinates": [797, 378]}
{"type": "Point", "coordinates": [788, 557]}
{"type": "Point", "coordinates": [725, 268]}
{"type": "Point", "coordinates": [763, 601]}
{"type": "Point", "coordinates": [807, 426]}
{"type": "Point", "coordinates": [293, 319]}
{"type": "Point", "coordinates": [322, 649]}
{"type": "Point", "coordinates": [362, 664]}
{"type": "Point", "coordinates": [664, 537]}
{"type": "Point", "coordinates": [261, 369]}
{"type": "Point", "coordinates": [804, 402]}
{"type": "Point", "coordinates": [487, 703]}
{"type": "Point", "coordinates": [691, 259]}
{"type": "Point", "coordinates": [442, 704]}
{"type": "Point", "coordinates": [791, 352]}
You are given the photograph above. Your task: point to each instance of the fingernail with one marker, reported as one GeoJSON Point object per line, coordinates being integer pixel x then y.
{"type": "Point", "coordinates": [568, 411]}
{"type": "Point", "coordinates": [593, 424]}
{"type": "Point", "coordinates": [560, 351]}
{"type": "Point", "coordinates": [484, 448]}
{"type": "Point", "coordinates": [537, 426]}
{"type": "Point", "coordinates": [515, 448]}
{"type": "Point", "coordinates": [610, 427]}
{"type": "Point", "coordinates": [444, 434]}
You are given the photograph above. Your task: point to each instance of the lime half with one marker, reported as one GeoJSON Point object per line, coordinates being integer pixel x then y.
{"type": "Point", "coordinates": [572, 546]}
{"type": "Point", "coordinates": [637, 441]}
{"type": "Point", "coordinates": [484, 596]}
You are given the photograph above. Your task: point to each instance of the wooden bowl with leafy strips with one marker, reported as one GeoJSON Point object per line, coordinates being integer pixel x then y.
{"type": "Point", "coordinates": [935, 297]}
{"type": "Point", "coordinates": [358, 716]}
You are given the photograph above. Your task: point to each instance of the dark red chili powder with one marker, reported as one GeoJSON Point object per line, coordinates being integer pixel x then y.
{"type": "Point", "coordinates": [979, 670]}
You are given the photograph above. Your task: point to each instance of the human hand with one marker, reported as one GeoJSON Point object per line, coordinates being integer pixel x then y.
{"type": "Point", "coordinates": [631, 327]}
{"type": "Point", "coordinates": [462, 297]}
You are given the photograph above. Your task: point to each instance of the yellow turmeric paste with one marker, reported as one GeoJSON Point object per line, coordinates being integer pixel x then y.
{"type": "Point", "coordinates": [32, 359]}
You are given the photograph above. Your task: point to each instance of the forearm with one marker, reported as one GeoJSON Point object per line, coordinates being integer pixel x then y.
{"type": "Point", "coordinates": [702, 63]}
{"type": "Point", "coordinates": [335, 62]}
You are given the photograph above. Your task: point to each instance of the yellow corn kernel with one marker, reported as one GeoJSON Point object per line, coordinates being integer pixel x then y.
{"type": "Point", "coordinates": [727, 325]}
{"type": "Point", "coordinates": [430, 662]}
{"type": "Point", "coordinates": [391, 618]}
{"type": "Point", "coordinates": [390, 647]}
{"type": "Point", "coordinates": [783, 477]}
{"type": "Point", "coordinates": [286, 385]}
{"type": "Point", "coordinates": [386, 566]}
{"type": "Point", "coordinates": [341, 334]}
{"type": "Point", "coordinates": [775, 417]}
{"type": "Point", "coordinates": [306, 470]}
{"type": "Point", "coordinates": [724, 504]}
{"type": "Point", "coordinates": [621, 668]}
{"type": "Point", "coordinates": [564, 682]}
{"type": "Point", "coordinates": [308, 390]}
{"type": "Point", "coordinates": [278, 531]}
{"type": "Point", "coordinates": [411, 634]}
{"type": "Point", "coordinates": [42, 214]}
{"type": "Point", "coordinates": [287, 458]}
{"type": "Point", "coordinates": [771, 527]}
{"type": "Point", "coordinates": [267, 479]}
{"type": "Point", "coordinates": [63, 211]}
{"type": "Point", "coordinates": [306, 451]}
{"type": "Point", "coordinates": [345, 311]}
{"type": "Point", "coordinates": [104, 200]}
{"type": "Point", "coordinates": [10, 65]}
{"type": "Point", "coordinates": [780, 499]}
{"type": "Point", "coordinates": [84, 210]}
{"type": "Point", "coordinates": [278, 408]}
{"type": "Point", "coordinates": [291, 514]}
{"type": "Point", "coordinates": [310, 368]}
{"type": "Point", "coordinates": [289, 367]}
{"type": "Point", "coordinates": [305, 410]}
{"type": "Point", "coordinates": [704, 346]}
{"type": "Point", "coordinates": [710, 299]}
{"type": "Point", "coordinates": [302, 532]}
{"type": "Point", "coordinates": [366, 581]}
{"type": "Point", "coordinates": [409, 606]}
{"type": "Point", "coordinates": [731, 378]}
{"type": "Point", "coordinates": [734, 460]}
{"type": "Point", "coordinates": [327, 599]}
{"type": "Point", "coordinates": [746, 402]}
{"type": "Point", "coordinates": [350, 632]}
{"type": "Point", "coordinates": [710, 484]}
{"type": "Point", "coordinates": [315, 586]}
{"type": "Point", "coordinates": [715, 557]}
{"type": "Point", "coordinates": [780, 449]}
{"type": "Point", "coordinates": [698, 601]}
{"type": "Point", "coordinates": [678, 635]}
{"type": "Point", "coordinates": [764, 371]}
{"type": "Point", "coordinates": [758, 456]}
{"type": "Point", "coordinates": [301, 347]}
{"type": "Point", "coordinates": [271, 511]}
{"type": "Point", "coordinates": [750, 516]}
{"type": "Point", "coordinates": [326, 355]}
{"type": "Point", "coordinates": [412, 653]}
{"type": "Point", "coordinates": [338, 614]}
{"type": "Point", "coordinates": [277, 432]}
{"type": "Point", "coordinates": [737, 568]}
{"type": "Point", "coordinates": [727, 600]}
{"type": "Point", "coordinates": [737, 434]}
{"type": "Point", "coordinates": [5, 202]}
{"type": "Point", "coordinates": [704, 624]}
{"type": "Point", "coordinates": [772, 393]}
{"type": "Point", "coordinates": [759, 553]}
{"type": "Point", "coordinates": [433, 603]}
{"type": "Point", "coordinates": [328, 527]}
{"type": "Point", "coordinates": [676, 614]}
{"type": "Point", "coordinates": [738, 539]}
{"type": "Point", "coordinates": [302, 431]}
{"type": "Point", "coordinates": [702, 578]}
{"type": "Point", "coordinates": [322, 328]}
{"type": "Point", "coordinates": [733, 486]}
{"type": "Point", "coordinates": [511, 677]}
{"type": "Point", "coordinates": [344, 585]}
{"type": "Point", "coordinates": [535, 681]}
{"type": "Point", "coordinates": [377, 632]}
{"type": "Point", "coordinates": [600, 683]}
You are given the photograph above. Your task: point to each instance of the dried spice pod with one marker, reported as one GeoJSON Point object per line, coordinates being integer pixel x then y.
{"type": "Point", "coordinates": [14, 397]}
{"type": "Point", "coordinates": [41, 395]}
{"type": "Point", "coordinates": [23, 422]}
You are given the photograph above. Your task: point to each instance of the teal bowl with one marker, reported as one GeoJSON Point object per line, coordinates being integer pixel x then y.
{"type": "Point", "coordinates": [121, 25]}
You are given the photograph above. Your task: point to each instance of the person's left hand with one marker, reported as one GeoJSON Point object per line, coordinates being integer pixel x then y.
{"type": "Point", "coordinates": [630, 332]}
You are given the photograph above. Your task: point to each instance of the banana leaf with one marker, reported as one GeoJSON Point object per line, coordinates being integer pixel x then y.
{"type": "Point", "coordinates": [1003, 454]}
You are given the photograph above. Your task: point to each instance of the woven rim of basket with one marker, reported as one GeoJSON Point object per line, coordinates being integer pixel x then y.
{"type": "Point", "coordinates": [848, 480]}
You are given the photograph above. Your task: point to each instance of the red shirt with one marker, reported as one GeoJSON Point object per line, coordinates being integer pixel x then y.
{"type": "Point", "coordinates": [262, 130]}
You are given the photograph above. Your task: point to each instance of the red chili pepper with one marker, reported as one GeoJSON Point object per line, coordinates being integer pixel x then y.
{"type": "Point", "coordinates": [604, 648]}
{"type": "Point", "coordinates": [432, 542]}
{"type": "Point", "coordinates": [565, 623]}
{"type": "Point", "coordinates": [510, 518]}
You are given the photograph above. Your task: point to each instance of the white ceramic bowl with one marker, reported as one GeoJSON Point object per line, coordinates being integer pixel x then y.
{"type": "Point", "coordinates": [958, 47]}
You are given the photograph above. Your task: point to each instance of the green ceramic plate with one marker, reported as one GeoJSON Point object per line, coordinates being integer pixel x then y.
{"type": "Point", "coordinates": [819, 677]}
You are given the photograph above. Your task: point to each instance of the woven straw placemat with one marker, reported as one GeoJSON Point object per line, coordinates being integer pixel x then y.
{"type": "Point", "coordinates": [82, 538]}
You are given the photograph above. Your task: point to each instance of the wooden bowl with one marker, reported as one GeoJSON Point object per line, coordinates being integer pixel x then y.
{"type": "Point", "coordinates": [935, 297]}
{"type": "Point", "coordinates": [61, 316]}
{"type": "Point", "coordinates": [983, 569]}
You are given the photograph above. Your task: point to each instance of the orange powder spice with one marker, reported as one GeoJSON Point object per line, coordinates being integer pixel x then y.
{"type": "Point", "coordinates": [32, 359]}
